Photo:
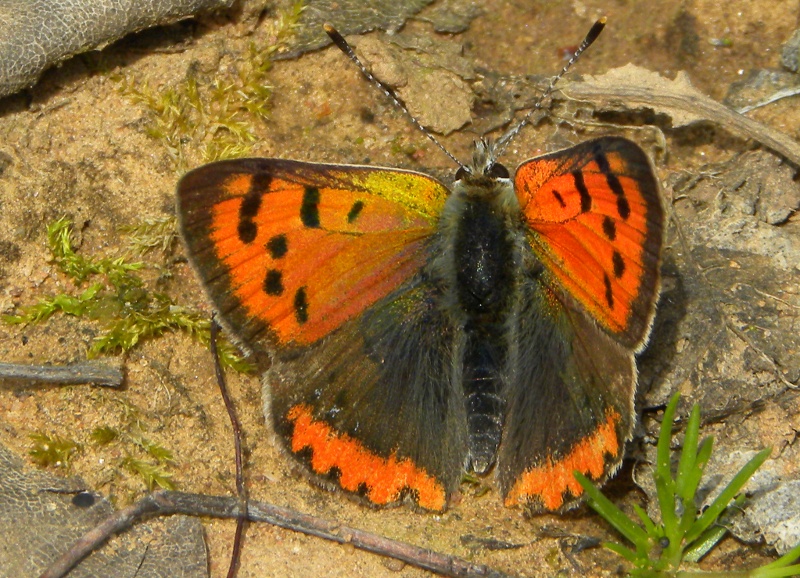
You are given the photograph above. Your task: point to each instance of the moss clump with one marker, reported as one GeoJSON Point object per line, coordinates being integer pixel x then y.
{"type": "Point", "coordinates": [52, 451]}
{"type": "Point", "coordinates": [119, 300]}
{"type": "Point", "coordinates": [218, 116]}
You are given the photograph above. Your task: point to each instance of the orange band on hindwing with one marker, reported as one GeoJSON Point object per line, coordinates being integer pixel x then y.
{"type": "Point", "coordinates": [385, 479]}
{"type": "Point", "coordinates": [550, 482]}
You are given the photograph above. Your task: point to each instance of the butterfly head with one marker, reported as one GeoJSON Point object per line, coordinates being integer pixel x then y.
{"type": "Point", "coordinates": [484, 165]}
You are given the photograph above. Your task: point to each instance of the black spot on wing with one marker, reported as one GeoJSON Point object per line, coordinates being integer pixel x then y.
{"type": "Point", "coordinates": [277, 246]}
{"type": "Point", "coordinates": [623, 206]}
{"type": "Point", "coordinates": [362, 490]}
{"type": "Point", "coordinates": [301, 306]}
{"type": "Point", "coordinates": [609, 228]}
{"type": "Point", "coordinates": [260, 183]}
{"type": "Point", "coordinates": [309, 210]}
{"type": "Point", "coordinates": [305, 455]}
{"type": "Point", "coordinates": [355, 210]}
{"type": "Point", "coordinates": [619, 264]}
{"type": "Point", "coordinates": [609, 293]}
{"type": "Point", "coordinates": [247, 231]}
{"type": "Point", "coordinates": [251, 204]}
{"type": "Point", "coordinates": [273, 283]}
{"type": "Point", "coordinates": [247, 228]}
{"type": "Point", "coordinates": [559, 199]}
{"type": "Point", "coordinates": [580, 185]}
{"type": "Point", "coordinates": [611, 178]}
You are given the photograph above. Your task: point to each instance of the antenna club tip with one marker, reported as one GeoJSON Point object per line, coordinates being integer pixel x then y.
{"type": "Point", "coordinates": [597, 28]}
{"type": "Point", "coordinates": [602, 20]}
{"type": "Point", "coordinates": [334, 35]}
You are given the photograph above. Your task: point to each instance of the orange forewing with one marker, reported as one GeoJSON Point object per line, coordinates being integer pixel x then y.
{"type": "Point", "coordinates": [302, 248]}
{"type": "Point", "coordinates": [342, 269]}
{"type": "Point", "coordinates": [596, 221]}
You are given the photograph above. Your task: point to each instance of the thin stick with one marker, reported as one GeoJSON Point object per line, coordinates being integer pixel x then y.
{"type": "Point", "coordinates": [169, 502]}
{"type": "Point", "coordinates": [241, 490]}
{"type": "Point", "coordinates": [77, 373]}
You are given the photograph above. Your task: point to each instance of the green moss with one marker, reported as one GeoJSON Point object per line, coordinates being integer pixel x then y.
{"type": "Point", "coordinates": [103, 435]}
{"type": "Point", "coordinates": [153, 466]}
{"type": "Point", "coordinates": [119, 300]}
{"type": "Point", "coordinates": [52, 451]}
{"type": "Point", "coordinates": [152, 474]}
{"type": "Point", "coordinates": [143, 457]}
{"type": "Point", "coordinates": [77, 267]}
{"type": "Point", "coordinates": [158, 233]}
{"type": "Point", "coordinates": [218, 117]}
{"type": "Point", "coordinates": [155, 450]}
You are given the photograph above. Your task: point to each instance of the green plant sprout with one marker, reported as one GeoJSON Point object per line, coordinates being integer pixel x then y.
{"type": "Point", "coordinates": [120, 301]}
{"type": "Point", "coordinates": [56, 451]}
{"type": "Point", "coordinates": [155, 450]}
{"type": "Point", "coordinates": [686, 533]}
{"type": "Point", "coordinates": [52, 450]}
{"type": "Point", "coordinates": [153, 474]}
{"type": "Point", "coordinates": [77, 267]}
{"type": "Point", "coordinates": [103, 435]}
{"type": "Point", "coordinates": [217, 116]}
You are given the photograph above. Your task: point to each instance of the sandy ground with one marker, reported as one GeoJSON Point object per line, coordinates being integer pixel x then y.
{"type": "Point", "coordinates": [77, 145]}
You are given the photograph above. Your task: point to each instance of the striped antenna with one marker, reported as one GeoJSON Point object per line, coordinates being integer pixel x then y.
{"type": "Point", "coordinates": [594, 32]}
{"type": "Point", "coordinates": [342, 44]}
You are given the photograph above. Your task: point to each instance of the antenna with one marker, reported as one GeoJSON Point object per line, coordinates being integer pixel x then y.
{"type": "Point", "coordinates": [594, 32]}
{"type": "Point", "coordinates": [342, 44]}
{"type": "Point", "coordinates": [503, 141]}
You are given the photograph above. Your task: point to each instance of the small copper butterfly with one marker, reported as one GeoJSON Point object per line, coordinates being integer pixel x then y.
{"type": "Point", "coordinates": [417, 331]}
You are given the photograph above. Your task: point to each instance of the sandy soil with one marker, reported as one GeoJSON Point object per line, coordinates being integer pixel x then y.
{"type": "Point", "coordinates": [77, 146]}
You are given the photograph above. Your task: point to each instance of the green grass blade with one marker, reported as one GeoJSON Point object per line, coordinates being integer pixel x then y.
{"type": "Point", "coordinates": [612, 514]}
{"type": "Point", "coordinates": [704, 543]}
{"type": "Point", "coordinates": [776, 572]}
{"type": "Point", "coordinates": [626, 553]}
{"type": "Point", "coordinates": [711, 537]}
{"type": "Point", "coordinates": [665, 485]}
{"type": "Point", "coordinates": [687, 463]}
{"type": "Point", "coordinates": [666, 504]}
{"type": "Point", "coordinates": [687, 478]}
{"type": "Point", "coordinates": [665, 436]}
{"type": "Point", "coordinates": [692, 481]}
{"type": "Point", "coordinates": [721, 502]}
{"type": "Point", "coordinates": [701, 459]}
{"type": "Point", "coordinates": [648, 524]}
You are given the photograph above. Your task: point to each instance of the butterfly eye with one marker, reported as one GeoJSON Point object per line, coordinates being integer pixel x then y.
{"type": "Point", "coordinates": [498, 171]}
{"type": "Point", "coordinates": [461, 173]}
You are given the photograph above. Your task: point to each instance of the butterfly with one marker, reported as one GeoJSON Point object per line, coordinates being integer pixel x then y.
{"type": "Point", "coordinates": [418, 330]}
